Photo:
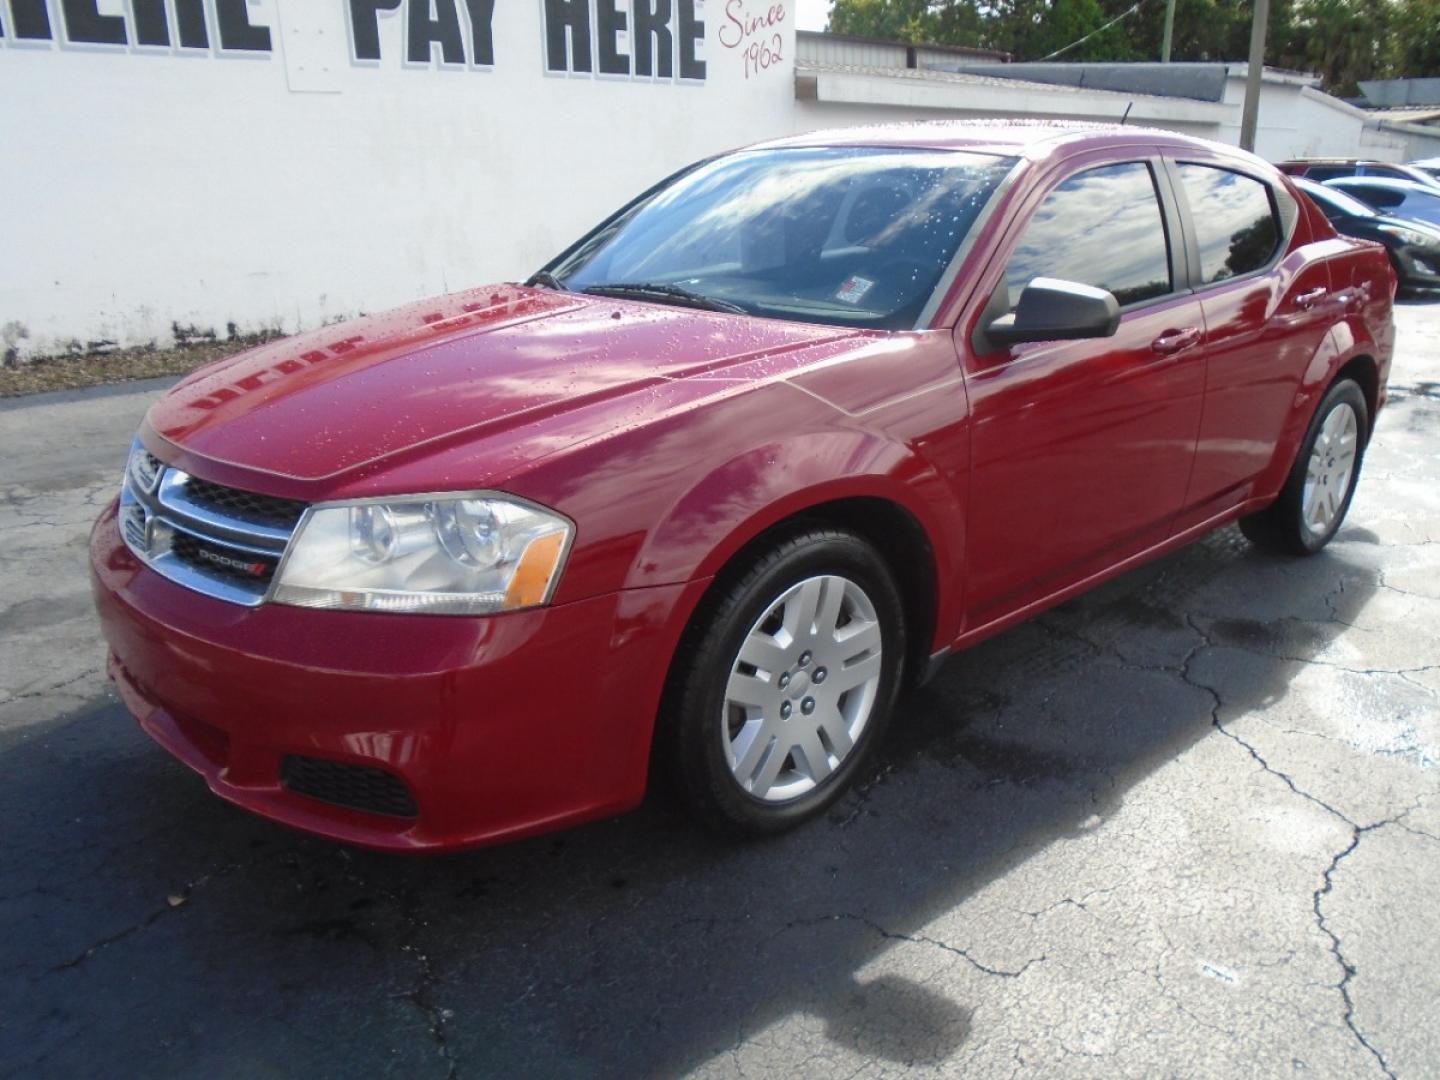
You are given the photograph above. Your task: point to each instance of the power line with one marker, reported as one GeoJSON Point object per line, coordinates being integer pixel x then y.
{"type": "Point", "coordinates": [1131, 10]}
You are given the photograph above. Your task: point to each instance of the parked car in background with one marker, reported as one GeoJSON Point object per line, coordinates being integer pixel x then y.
{"type": "Point", "coordinates": [1323, 169]}
{"type": "Point", "coordinates": [1398, 198]}
{"type": "Point", "coordinates": [702, 496]}
{"type": "Point", "coordinates": [1414, 246]}
{"type": "Point", "coordinates": [1429, 166]}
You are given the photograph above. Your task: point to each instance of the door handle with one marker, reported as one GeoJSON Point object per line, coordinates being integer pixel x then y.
{"type": "Point", "coordinates": [1310, 299]}
{"type": "Point", "coordinates": [1172, 341]}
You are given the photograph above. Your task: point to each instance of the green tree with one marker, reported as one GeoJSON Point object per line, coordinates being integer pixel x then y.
{"type": "Point", "coordinates": [1033, 29]}
{"type": "Point", "coordinates": [896, 20]}
{"type": "Point", "coordinates": [1345, 41]}
{"type": "Point", "coordinates": [1416, 39]}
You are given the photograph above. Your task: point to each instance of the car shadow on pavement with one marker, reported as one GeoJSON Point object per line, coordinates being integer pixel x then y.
{"type": "Point", "coordinates": [153, 925]}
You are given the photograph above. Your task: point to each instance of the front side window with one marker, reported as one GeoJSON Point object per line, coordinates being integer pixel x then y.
{"type": "Point", "coordinates": [1102, 227]}
{"type": "Point", "coordinates": [854, 236]}
{"type": "Point", "coordinates": [1234, 218]}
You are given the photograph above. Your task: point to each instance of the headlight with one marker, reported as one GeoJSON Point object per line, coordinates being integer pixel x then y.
{"type": "Point", "coordinates": [1412, 237]}
{"type": "Point", "coordinates": [446, 555]}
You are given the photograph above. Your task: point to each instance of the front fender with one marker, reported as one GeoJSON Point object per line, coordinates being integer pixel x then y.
{"type": "Point", "coordinates": [756, 490]}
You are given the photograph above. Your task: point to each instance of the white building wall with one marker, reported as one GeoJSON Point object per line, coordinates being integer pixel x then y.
{"type": "Point", "coordinates": [150, 189]}
{"type": "Point", "coordinates": [1297, 120]}
{"type": "Point", "coordinates": [822, 49]}
{"type": "Point", "coordinates": [145, 187]}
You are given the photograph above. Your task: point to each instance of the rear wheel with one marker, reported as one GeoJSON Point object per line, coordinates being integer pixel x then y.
{"type": "Point", "coordinates": [784, 683]}
{"type": "Point", "coordinates": [1321, 484]}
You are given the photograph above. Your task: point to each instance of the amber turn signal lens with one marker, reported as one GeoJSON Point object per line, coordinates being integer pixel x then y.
{"type": "Point", "coordinates": [535, 571]}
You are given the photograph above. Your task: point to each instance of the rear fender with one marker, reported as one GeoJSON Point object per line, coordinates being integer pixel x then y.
{"type": "Point", "coordinates": [1347, 339]}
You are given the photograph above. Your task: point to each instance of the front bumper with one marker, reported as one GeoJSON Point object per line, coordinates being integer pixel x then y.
{"type": "Point", "coordinates": [498, 727]}
{"type": "Point", "coordinates": [1418, 267]}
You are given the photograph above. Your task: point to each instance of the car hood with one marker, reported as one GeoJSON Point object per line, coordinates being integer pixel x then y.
{"type": "Point", "coordinates": [324, 403]}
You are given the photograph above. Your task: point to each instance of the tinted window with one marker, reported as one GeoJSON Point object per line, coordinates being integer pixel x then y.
{"type": "Point", "coordinates": [1234, 221]}
{"type": "Point", "coordinates": [1421, 205]}
{"type": "Point", "coordinates": [1102, 227]}
{"type": "Point", "coordinates": [1321, 173]}
{"type": "Point", "coordinates": [1335, 204]}
{"type": "Point", "coordinates": [1379, 197]}
{"type": "Point", "coordinates": [854, 236]}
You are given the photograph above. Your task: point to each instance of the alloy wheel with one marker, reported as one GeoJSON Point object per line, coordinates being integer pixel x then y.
{"type": "Point", "coordinates": [802, 688]}
{"type": "Point", "coordinates": [1329, 470]}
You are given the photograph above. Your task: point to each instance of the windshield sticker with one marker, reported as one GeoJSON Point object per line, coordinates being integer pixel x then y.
{"type": "Point", "coordinates": [854, 289]}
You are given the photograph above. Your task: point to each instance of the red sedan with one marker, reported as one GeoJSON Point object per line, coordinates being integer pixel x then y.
{"type": "Point", "coordinates": [703, 496]}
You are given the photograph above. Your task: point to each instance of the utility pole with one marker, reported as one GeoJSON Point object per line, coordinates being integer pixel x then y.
{"type": "Point", "coordinates": [1169, 31]}
{"type": "Point", "coordinates": [1251, 113]}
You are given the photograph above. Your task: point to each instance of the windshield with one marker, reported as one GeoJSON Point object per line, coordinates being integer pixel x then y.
{"type": "Point", "coordinates": [849, 236]}
{"type": "Point", "coordinates": [1334, 201]}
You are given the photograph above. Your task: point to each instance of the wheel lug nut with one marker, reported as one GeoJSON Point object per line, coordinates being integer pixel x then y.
{"type": "Point", "coordinates": [784, 680]}
{"type": "Point", "coordinates": [805, 659]}
{"type": "Point", "coordinates": [807, 706]}
{"type": "Point", "coordinates": [784, 710]}
{"type": "Point", "coordinates": [819, 676]}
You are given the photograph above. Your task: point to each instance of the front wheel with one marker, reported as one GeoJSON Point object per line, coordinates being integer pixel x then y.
{"type": "Point", "coordinates": [1321, 484]}
{"type": "Point", "coordinates": [784, 683]}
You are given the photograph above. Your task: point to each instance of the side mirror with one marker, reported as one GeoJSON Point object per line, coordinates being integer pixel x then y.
{"type": "Point", "coordinates": [1054, 310]}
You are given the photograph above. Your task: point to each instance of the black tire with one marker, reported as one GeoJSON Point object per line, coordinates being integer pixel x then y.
{"type": "Point", "coordinates": [1281, 526]}
{"type": "Point", "coordinates": [695, 721]}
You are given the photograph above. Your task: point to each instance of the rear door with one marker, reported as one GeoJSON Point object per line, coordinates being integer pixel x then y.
{"type": "Point", "coordinates": [1265, 313]}
{"type": "Point", "coordinates": [1082, 449]}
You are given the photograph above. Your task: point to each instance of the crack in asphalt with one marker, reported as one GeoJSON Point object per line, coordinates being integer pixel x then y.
{"type": "Point", "coordinates": [1068, 901]}
{"type": "Point", "coordinates": [1348, 970]}
{"type": "Point", "coordinates": [422, 995]}
{"type": "Point", "coordinates": [919, 939]}
{"type": "Point", "coordinates": [26, 695]}
{"type": "Point", "coordinates": [172, 903]}
{"type": "Point", "coordinates": [436, 1016]}
{"type": "Point", "coordinates": [1357, 832]}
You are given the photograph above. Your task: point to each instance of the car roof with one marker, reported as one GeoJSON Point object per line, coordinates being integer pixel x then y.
{"type": "Point", "coordinates": [1385, 183]}
{"type": "Point", "coordinates": [1026, 138]}
{"type": "Point", "coordinates": [1328, 191]}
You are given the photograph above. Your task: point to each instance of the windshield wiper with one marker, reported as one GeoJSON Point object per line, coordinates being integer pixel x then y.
{"type": "Point", "coordinates": [547, 280]}
{"type": "Point", "coordinates": [674, 294]}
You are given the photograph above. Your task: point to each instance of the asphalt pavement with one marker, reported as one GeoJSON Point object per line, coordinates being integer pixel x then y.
{"type": "Point", "coordinates": [1187, 825]}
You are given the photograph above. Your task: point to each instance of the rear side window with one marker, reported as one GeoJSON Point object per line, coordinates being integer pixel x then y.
{"type": "Point", "coordinates": [1422, 205]}
{"type": "Point", "coordinates": [1102, 227]}
{"type": "Point", "coordinates": [1234, 218]}
{"type": "Point", "coordinates": [1383, 198]}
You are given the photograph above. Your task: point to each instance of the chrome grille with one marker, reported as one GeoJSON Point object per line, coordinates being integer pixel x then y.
{"type": "Point", "coordinates": [245, 505]}
{"type": "Point", "coordinates": [145, 468]}
{"type": "Point", "coordinates": [219, 541]}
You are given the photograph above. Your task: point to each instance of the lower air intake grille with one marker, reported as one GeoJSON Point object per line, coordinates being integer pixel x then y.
{"type": "Point", "coordinates": [359, 787]}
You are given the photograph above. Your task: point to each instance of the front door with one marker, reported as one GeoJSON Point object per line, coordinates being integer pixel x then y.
{"type": "Point", "coordinates": [1082, 450]}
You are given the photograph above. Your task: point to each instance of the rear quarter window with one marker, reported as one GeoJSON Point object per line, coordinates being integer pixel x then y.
{"type": "Point", "coordinates": [1235, 221]}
